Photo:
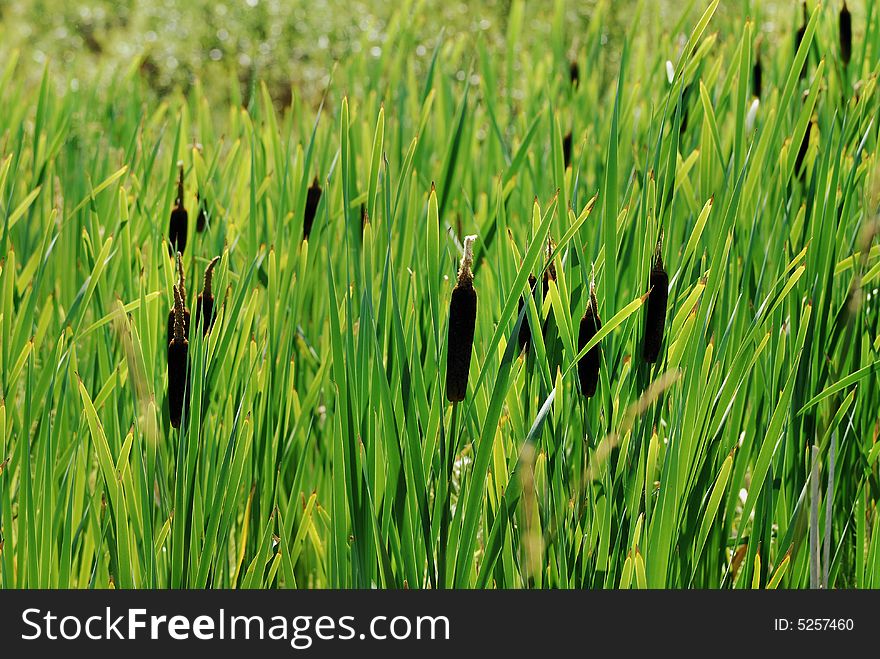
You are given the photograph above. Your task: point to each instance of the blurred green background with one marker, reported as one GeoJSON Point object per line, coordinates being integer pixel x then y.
{"type": "Point", "coordinates": [293, 45]}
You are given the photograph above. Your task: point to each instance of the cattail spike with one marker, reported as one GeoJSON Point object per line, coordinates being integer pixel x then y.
{"type": "Point", "coordinates": [594, 303]}
{"type": "Point", "coordinates": [181, 280]}
{"type": "Point", "coordinates": [658, 256]}
{"type": "Point", "coordinates": [209, 275]}
{"type": "Point", "coordinates": [178, 314]}
{"type": "Point", "coordinates": [467, 260]}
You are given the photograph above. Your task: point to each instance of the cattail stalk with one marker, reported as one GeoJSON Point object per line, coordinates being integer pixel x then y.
{"type": "Point", "coordinates": [655, 315]}
{"type": "Point", "coordinates": [845, 34]}
{"type": "Point", "coordinates": [313, 196]}
{"type": "Point", "coordinates": [574, 73]}
{"type": "Point", "coordinates": [524, 337]}
{"type": "Point", "coordinates": [205, 301]}
{"type": "Point", "coordinates": [566, 149]}
{"type": "Point", "coordinates": [181, 284]}
{"type": "Point", "coordinates": [177, 226]}
{"type": "Point", "coordinates": [462, 320]}
{"type": "Point", "coordinates": [802, 152]}
{"type": "Point", "coordinates": [588, 365]}
{"type": "Point", "coordinates": [178, 352]}
{"type": "Point", "coordinates": [201, 218]}
{"type": "Point", "coordinates": [550, 272]}
{"type": "Point", "coordinates": [757, 74]}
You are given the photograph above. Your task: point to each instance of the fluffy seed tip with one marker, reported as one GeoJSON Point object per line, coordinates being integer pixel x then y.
{"type": "Point", "coordinates": [658, 257]}
{"type": "Point", "coordinates": [467, 260]}
{"type": "Point", "coordinates": [593, 302]}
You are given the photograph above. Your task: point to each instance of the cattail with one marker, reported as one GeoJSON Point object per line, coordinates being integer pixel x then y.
{"type": "Point", "coordinates": [757, 74]}
{"type": "Point", "coordinates": [178, 351]}
{"type": "Point", "coordinates": [178, 223]}
{"type": "Point", "coordinates": [201, 218]}
{"type": "Point", "coordinates": [550, 272]}
{"type": "Point", "coordinates": [462, 319]}
{"type": "Point", "coordinates": [588, 365]}
{"type": "Point", "coordinates": [685, 106]}
{"type": "Point", "coordinates": [182, 287]}
{"type": "Point", "coordinates": [655, 316]}
{"type": "Point", "coordinates": [525, 331]}
{"type": "Point", "coordinates": [205, 301]}
{"type": "Point", "coordinates": [799, 37]}
{"type": "Point", "coordinates": [566, 149]}
{"type": "Point", "coordinates": [574, 73]}
{"type": "Point", "coordinates": [313, 196]}
{"type": "Point", "coordinates": [845, 34]}
{"type": "Point", "coordinates": [802, 152]}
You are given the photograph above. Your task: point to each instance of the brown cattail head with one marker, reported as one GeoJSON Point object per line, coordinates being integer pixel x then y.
{"type": "Point", "coordinates": [178, 352]}
{"type": "Point", "coordinates": [525, 331]}
{"type": "Point", "coordinates": [177, 225]}
{"type": "Point", "coordinates": [845, 34]}
{"type": "Point", "coordinates": [574, 72]}
{"type": "Point", "coordinates": [588, 365]}
{"type": "Point", "coordinates": [757, 74]}
{"type": "Point", "coordinates": [655, 314]}
{"type": "Point", "coordinates": [205, 301]}
{"type": "Point", "coordinates": [566, 149]}
{"type": "Point", "coordinates": [313, 196]}
{"type": "Point", "coordinates": [181, 284]}
{"type": "Point", "coordinates": [202, 217]}
{"type": "Point", "coordinates": [462, 320]}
